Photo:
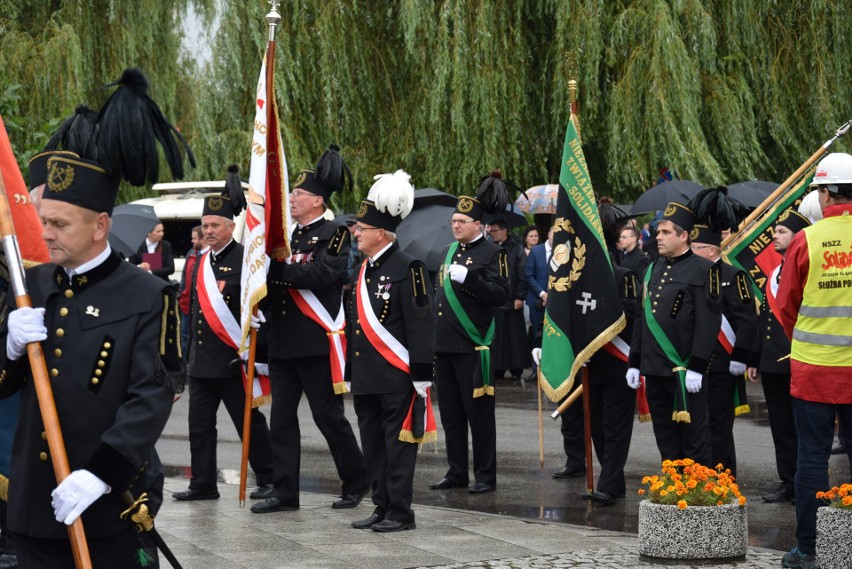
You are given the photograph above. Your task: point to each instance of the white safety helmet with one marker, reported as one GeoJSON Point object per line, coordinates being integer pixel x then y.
{"type": "Point", "coordinates": [834, 170]}
{"type": "Point", "coordinates": [810, 207]}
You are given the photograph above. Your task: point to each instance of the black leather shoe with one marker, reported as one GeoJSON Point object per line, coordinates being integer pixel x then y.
{"type": "Point", "coordinates": [445, 483]}
{"type": "Point", "coordinates": [349, 500]}
{"type": "Point", "coordinates": [780, 495]}
{"type": "Point", "coordinates": [392, 525]}
{"type": "Point", "coordinates": [841, 448]}
{"type": "Point", "coordinates": [191, 494]}
{"type": "Point", "coordinates": [566, 472]}
{"type": "Point", "coordinates": [480, 488]}
{"type": "Point", "coordinates": [8, 561]}
{"type": "Point", "coordinates": [367, 523]}
{"type": "Point", "coordinates": [599, 497]}
{"type": "Point", "coordinates": [273, 505]}
{"type": "Point", "coordinates": [263, 492]}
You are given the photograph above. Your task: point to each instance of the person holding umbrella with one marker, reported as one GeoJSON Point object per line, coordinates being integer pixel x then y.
{"type": "Point", "coordinates": [155, 254]}
{"type": "Point", "coordinates": [472, 282]}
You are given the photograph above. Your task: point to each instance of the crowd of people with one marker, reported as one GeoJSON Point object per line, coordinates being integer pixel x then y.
{"type": "Point", "coordinates": [348, 311]}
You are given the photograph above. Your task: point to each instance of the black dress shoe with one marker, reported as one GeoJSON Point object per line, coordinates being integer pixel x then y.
{"type": "Point", "coordinates": [445, 483]}
{"type": "Point", "coordinates": [263, 492]}
{"type": "Point", "coordinates": [273, 505]}
{"type": "Point", "coordinates": [480, 488]}
{"type": "Point", "coordinates": [191, 494]}
{"type": "Point", "coordinates": [349, 500]}
{"type": "Point", "coordinates": [8, 561]}
{"type": "Point", "coordinates": [367, 523]}
{"type": "Point", "coordinates": [567, 472]}
{"type": "Point", "coordinates": [392, 525]}
{"type": "Point", "coordinates": [599, 497]}
{"type": "Point", "coordinates": [780, 495]}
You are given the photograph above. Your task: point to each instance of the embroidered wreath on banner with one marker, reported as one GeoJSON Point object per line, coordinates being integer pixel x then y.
{"type": "Point", "coordinates": [563, 284]}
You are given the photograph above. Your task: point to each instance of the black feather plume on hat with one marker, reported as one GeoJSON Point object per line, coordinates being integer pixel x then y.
{"type": "Point", "coordinates": [234, 189]}
{"type": "Point", "coordinates": [129, 126]}
{"type": "Point", "coordinates": [714, 208]}
{"type": "Point", "coordinates": [492, 191]}
{"type": "Point", "coordinates": [611, 219]}
{"type": "Point", "coordinates": [332, 171]}
{"type": "Point", "coordinates": [77, 134]}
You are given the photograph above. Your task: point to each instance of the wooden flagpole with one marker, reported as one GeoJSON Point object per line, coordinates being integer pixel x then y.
{"type": "Point", "coordinates": [41, 382]}
{"type": "Point", "coordinates": [540, 420]}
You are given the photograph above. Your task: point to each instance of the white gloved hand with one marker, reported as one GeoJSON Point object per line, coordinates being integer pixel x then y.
{"type": "Point", "coordinates": [693, 381]}
{"type": "Point", "coordinates": [25, 325]}
{"type": "Point", "coordinates": [261, 369]}
{"type": "Point", "coordinates": [75, 494]}
{"type": "Point", "coordinates": [633, 378]}
{"type": "Point", "coordinates": [457, 273]}
{"type": "Point", "coordinates": [536, 356]}
{"type": "Point", "coordinates": [421, 386]}
{"type": "Point", "coordinates": [257, 320]}
{"type": "Point", "coordinates": [736, 368]}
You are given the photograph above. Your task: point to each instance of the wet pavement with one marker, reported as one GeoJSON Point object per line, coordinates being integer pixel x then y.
{"type": "Point", "coordinates": [526, 494]}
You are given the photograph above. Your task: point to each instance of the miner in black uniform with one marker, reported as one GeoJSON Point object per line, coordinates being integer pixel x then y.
{"type": "Point", "coordinates": [674, 338]}
{"type": "Point", "coordinates": [390, 363]}
{"type": "Point", "coordinates": [726, 396]}
{"type": "Point", "coordinates": [111, 342]}
{"type": "Point", "coordinates": [472, 282]}
{"type": "Point", "coordinates": [212, 377]}
{"type": "Point", "coordinates": [770, 356]}
{"type": "Point", "coordinates": [306, 319]}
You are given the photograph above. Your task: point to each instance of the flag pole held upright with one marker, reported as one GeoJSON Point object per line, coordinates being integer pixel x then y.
{"type": "Point", "coordinates": [41, 382]}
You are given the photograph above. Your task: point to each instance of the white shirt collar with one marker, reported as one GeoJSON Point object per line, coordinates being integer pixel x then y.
{"type": "Point", "coordinates": [215, 253]}
{"type": "Point", "coordinates": [312, 221]}
{"type": "Point", "coordinates": [380, 253]}
{"type": "Point", "coordinates": [90, 264]}
{"type": "Point", "coordinates": [152, 245]}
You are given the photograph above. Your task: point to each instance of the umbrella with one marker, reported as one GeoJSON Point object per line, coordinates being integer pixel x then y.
{"type": "Point", "coordinates": [425, 232]}
{"type": "Point", "coordinates": [513, 217]}
{"type": "Point", "coordinates": [659, 196]}
{"type": "Point", "coordinates": [131, 223]}
{"type": "Point", "coordinates": [431, 196]}
{"type": "Point", "coordinates": [751, 193]}
{"type": "Point", "coordinates": [539, 199]}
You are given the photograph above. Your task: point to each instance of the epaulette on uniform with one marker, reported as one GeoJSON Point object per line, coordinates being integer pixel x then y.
{"type": "Point", "coordinates": [420, 297]}
{"type": "Point", "coordinates": [338, 240]}
{"type": "Point", "coordinates": [503, 262]}
{"type": "Point", "coordinates": [171, 370]}
{"type": "Point", "coordinates": [744, 288]}
{"type": "Point", "coordinates": [714, 281]}
{"type": "Point", "coordinates": [629, 285]}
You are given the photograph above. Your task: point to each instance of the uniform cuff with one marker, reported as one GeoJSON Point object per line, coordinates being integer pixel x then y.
{"type": "Point", "coordinates": [740, 355]}
{"type": "Point", "coordinates": [421, 372]}
{"type": "Point", "coordinates": [698, 365]}
{"type": "Point", "coordinates": [111, 467]}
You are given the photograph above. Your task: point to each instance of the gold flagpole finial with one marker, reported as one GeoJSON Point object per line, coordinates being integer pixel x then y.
{"type": "Point", "coordinates": [572, 91]}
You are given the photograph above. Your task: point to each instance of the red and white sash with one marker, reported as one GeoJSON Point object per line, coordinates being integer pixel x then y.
{"type": "Point", "coordinates": [335, 328]}
{"type": "Point", "coordinates": [620, 350]}
{"type": "Point", "coordinates": [727, 337]}
{"type": "Point", "coordinates": [617, 348]}
{"type": "Point", "coordinates": [222, 321]}
{"type": "Point", "coordinates": [389, 347]}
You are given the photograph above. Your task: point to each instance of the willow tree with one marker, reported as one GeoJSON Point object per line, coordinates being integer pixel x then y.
{"type": "Point", "coordinates": [55, 55]}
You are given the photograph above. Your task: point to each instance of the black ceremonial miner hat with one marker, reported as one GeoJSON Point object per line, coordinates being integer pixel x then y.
{"type": "Point", "coordinates": [38, 166]}
{"type": "Point", "coordinates": [680, 215]}
{"type": "Point", "coordinates": [793, 220]}
{"type": "Point", "coordinates": [704, 234]}
{"type": "Point", "coordinates": [80, 182]}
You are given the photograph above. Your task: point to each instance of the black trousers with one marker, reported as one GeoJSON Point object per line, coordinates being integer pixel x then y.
{"type": "Point", "coordinates": [679, 440]}
{"type": "Point", "coordinates": [205, 395]}
{"type": "Point", "coordinates": [720, 401]}
{"type": "Point", "coordinates": [779, 405]}
{"type": "Point", "coordinates": [613, 406]}
{"type": "Point", "coordinates": [460, 410]}
{"type": "Point", "coordinates": [311, 376]}
{"type": "Point", "coordinates": [390, 461]}
{"type": "Point", "coordinates": [573, 433]}
{"type": "Point", "coordinates": [116, 551]}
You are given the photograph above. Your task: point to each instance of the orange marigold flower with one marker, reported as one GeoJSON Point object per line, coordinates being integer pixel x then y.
{"type": "Point", "coordinates": [742, 500]}
{"type": "Point", "coordinates": [681, 505]}
{"type": "Point", "coordinates": [663, 492]}
{"type": "Point", "coordinates": [641, 491]}
{"type": "Point", "coordinates": [719, 503]}
{"type": "Point", "coordinates": [688, 462]}
{"type": "Point", "coordinates": [667, 463]}
{"type": "Point", "coordinates": [691, 484]}
{"type": "Point", "coordinates": [847, 501]}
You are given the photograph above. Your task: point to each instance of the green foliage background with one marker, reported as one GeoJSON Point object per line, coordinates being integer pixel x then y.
{"type": "Point", "coordinates": [717, 91]}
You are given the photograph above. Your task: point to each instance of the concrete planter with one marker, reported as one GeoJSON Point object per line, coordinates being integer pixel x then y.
{"type": "Point", "coordinates": [834, 538]}
{"type": "Point", "coordinates": [713, 533]}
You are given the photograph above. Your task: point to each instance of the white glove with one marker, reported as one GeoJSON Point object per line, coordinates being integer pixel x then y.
{"type": "Point", "coordinates": [536, 356]}
{"type": "Point", "coordinates": [421, 386]}
{"type": "Point", "coordinates": [261, 369]}
{"type": "Point", "coordinates": [633, 379]}
{"type": "Point", "coordinates": [257, 320]}
{"type": "Point", "coordinates": [25, 325]}
{"type": "Point", "coordinates": [693, 381]}
{"type": "Point", "coordinates": [75, 494]}
{"type": "Point", "coordinates": [457, 273]}
{"type": "Point", "coordinates": [736, 368]}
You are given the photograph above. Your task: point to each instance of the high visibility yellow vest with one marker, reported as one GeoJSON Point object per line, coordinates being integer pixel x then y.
{"type": "Point", "coordinates": [823, 332]}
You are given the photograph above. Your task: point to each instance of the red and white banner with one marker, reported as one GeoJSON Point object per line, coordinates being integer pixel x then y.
{"type": "Point", "coordinates": [727, 337]}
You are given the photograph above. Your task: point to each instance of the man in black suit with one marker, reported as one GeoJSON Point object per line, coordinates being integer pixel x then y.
{"type": "Point", "coordinates": [633, 258]}
{"type": "Point", "coordinates": [155, 246]}
{"type": "Point", "coordinates": [306, 319]}
{"type": "Point", "coordinates": [390, 363]}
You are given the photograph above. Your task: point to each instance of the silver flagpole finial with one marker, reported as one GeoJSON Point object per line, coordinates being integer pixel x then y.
{"type": "Point", "coordinates": [273, 17]}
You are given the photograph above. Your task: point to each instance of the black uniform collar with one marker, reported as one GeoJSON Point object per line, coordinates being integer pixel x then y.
{"type": "Point", "coordinates": [302, 229]}
{"type": "Point", "coordinates": [383, 257]}
{"type": "Point", "coordinates": [90, 277]}
{"type": "Point", "coordinates": [216, 257]}
{"type": "Point", "coordinates": [472, 244]}
{"type": "Point", "coordinates": [679, 258]}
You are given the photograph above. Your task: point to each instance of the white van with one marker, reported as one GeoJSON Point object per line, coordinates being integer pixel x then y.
{"type": "Point", "coordinates": [178, 205]}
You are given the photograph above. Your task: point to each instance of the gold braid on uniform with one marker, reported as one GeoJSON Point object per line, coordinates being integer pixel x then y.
{"type": "Point", "coordinates": [420, 299]}
{"type": "Point", "coordinates": [503, 262]}
{"type": "Point", "coordinates": [171, 370]}
{"type": "Point", "coordinates": [744, 288]}
{"type": "Point", "coordinates": [630, 284]}
{"type": "Point", "coordinates": [335, 244]}
{"type": "Point", "coordinates": [714, 282]}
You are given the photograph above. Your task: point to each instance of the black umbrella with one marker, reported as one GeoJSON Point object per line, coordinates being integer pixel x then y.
{"type": "Point", "coordinates": [751, 193]}
{"type": "Point", "coordinates": [131, 223]}
{"type": "Point", "coordinates": [513, 217]}
{"type": "Point", "coordinates": [659, 196]}
{"type": "Point", "coordinates": [425, 232]}
{"type": "Point", "coordinates": [431, 196]}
